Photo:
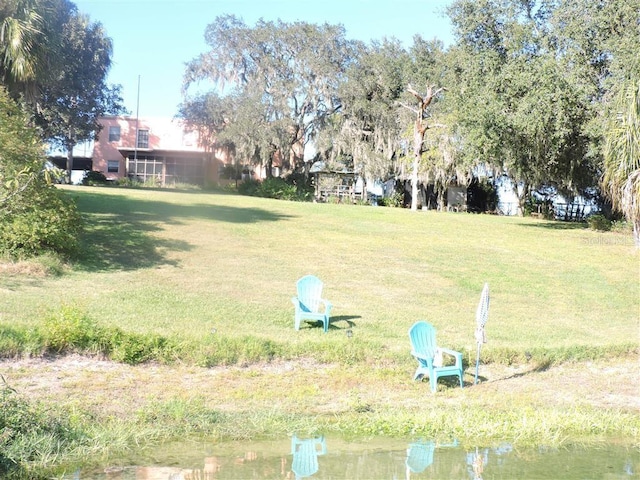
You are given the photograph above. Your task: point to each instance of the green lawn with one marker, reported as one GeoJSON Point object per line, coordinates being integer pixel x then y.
{"type": "Point", "coordinates": [192, 279]}
{"type": "Point", "coordinates": [179, 264]}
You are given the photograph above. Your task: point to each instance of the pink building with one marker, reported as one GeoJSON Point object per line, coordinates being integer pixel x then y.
{"type": "Point", "coordinates": [154, 149]}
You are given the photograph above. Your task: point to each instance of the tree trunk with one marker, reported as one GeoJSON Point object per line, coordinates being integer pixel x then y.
{"type": "Point", "coordinates": [69, 161]}
{"type": "Point", "coordinates": [521, 195]}
{"type": "Point", "coordinates": [70, 144]}
{"type": "Point", "coordinates": [418, 138]}
{"type": "Point", "coordinates": [441, 201]}
{"type": "Point", "coordinates": [269, 167]}
{"type": "Point", "coordinates": [419, 128]}
{"type": "Point", "coordinates": [414, 183]}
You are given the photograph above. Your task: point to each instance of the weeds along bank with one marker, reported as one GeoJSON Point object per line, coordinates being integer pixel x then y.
{"type": "Point", "coordinates": [72, 409]}
{"type": "Point", "coordinates": [199, 284]}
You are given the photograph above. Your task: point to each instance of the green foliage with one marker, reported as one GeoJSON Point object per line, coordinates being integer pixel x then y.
{"type": "Point", "coordinates": [35, 217]}
{"type": "Point", "coordinates": [133, 349]}
{"type": "Point", "coordinates": [249, 187]}
{"type": "Point", "coordinates": [534, 206]}
{"type": "Point", "coordinates": [16, 341]}
{"type": "Point", "coordinates": [30, 434]}
{"type": "Point", "coordinates": [538, 136]}
{"type": "Point", "coordinates": [621, 226]}
{"type": "Point", "coordinates": [274, 187]}
{"type": "Point", "coordinates": [396, 200]}
{"type": "Point", "coordinates": [621, 179]}
{"type": "Point", "coordinates": [230, 172]}
{"type": "Point", "coordinates": [277, 188]}
{"type": "Point", "coordinates": [68, 329]}
{"type": "Point", "coordinates": [599, 222]}
{"type": "Point", "coordinates": [277, 70]}
{"type": "Point", "coordinates": [93, 177]}
{"type": "Point", "coordinates": [482, 196]}
{"type": "Point", "coordinates": [127, 182]}
{"type": "Point", "coordinates": [41, 219]}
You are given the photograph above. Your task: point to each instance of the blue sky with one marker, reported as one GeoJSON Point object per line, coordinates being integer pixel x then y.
{"type": "Point", "coordinates": [152, 39]}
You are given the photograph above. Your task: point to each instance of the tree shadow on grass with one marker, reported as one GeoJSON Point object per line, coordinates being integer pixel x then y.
{"type": "Point", "coordinates": [159, 211]}
{"type": "Point", "coordinates": [118, 229]}
{"type": "Point", "coordinates": [110, 243]}
{"type": "Point", "coordinates": [556, 225]}
{"type": "Point", "coordinates": [337, 318]}
{"type": "Point", "coordinates": [345, 318]}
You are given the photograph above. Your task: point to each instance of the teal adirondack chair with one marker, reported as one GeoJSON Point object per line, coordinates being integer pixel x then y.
{"type": "Point", "coordinates": [429, 356]}
{"type": "Point", "coordinates": [309, 303]}
{"type": "Point", "coordinates": [305, 455]}
{"type": "Point", "coordinates": [419, 456]}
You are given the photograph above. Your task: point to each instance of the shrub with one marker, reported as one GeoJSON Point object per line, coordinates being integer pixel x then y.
{"type": "Point", "coordinates": [92, 177]}
{"type": "Point", "coordinates": [621, 226]}
{"type": "Point", "coordinates": [69, 329]}
{"type": "Point", "coordinates": [133, 349]}
{"type": "Point", "coordinates": [482, 196]}
{"type": "Point", "coordinates": [599, 222]}
{"type": "Point", "coordinates": [128, 182]}
{"type": "Point", "coordinates": [230, 172]}
{"type": "Point", "coordinates": [274, 187]}
{"type": "Point", "coordinates": [41, 219]}
{"type": "Point", "coordinates": [277, 188]}
{"type": "Point", "coordinates": [395, 200]}
{"type": "Point", "coordinates": [35, 217]}
{"type": "Point", "coordinates": [249, 187]}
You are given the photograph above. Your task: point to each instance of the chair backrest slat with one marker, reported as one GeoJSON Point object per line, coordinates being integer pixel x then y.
{"type": "Point", "coordinates": [423, 338]}
{"type": "Point", "coordinates": [309, 290]}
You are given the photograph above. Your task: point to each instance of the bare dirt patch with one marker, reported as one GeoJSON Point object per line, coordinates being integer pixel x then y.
{"type": "Point", "coordinates": [110, 388]}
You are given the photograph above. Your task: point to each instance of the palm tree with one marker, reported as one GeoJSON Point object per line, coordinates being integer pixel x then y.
{"type": "Point", "coordinates": [21, 27]}
{"type": "Point", "coordinates": [621, 179]}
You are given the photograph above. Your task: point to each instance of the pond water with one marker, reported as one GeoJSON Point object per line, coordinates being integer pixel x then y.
{"type": "Point", "coordinates": [321, 458]}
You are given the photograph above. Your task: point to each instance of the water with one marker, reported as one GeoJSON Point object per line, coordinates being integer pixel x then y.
{"type": "Point", "coordinates": [321, 458]}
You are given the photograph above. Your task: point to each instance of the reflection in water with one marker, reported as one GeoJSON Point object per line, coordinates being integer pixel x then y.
{"type": "Point", "coordinates": [419, 457]}
{"type": "Point", "coordinates": [305, 455]}
{"type": "Point", "coordinates": [477, 461]}
{"type": "Point", "coordinates": [371, 459]}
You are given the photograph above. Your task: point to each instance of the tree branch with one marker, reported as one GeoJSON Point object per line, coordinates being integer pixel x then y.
{"type": "Point", "coordinates": [414, 110]}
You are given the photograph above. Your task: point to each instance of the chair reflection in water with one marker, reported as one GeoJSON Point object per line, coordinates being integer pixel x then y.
{"type": "Point", "coordinates": [419, 457]}
{"type": "Point", "coordinates": [305, 455]}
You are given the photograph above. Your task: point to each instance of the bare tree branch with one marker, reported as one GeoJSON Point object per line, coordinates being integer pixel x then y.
{"type": "Point", "coordinates": [414, 110]}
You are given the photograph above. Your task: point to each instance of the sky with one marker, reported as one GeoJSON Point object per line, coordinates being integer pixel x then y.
{"type": "Point", "coordinates": [153, 39]}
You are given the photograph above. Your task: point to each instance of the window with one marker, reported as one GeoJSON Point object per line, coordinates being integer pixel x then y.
{"type": "Point", "coordinates": [114, 134]}
{"type": "Point", "coordinates": [146, 168]}
{"type": "Point", "coordinates": [143, 138]}
{"type": "Point", "coordinates": [113, 166]}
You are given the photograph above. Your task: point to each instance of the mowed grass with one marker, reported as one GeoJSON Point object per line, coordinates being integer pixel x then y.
{"type": "Point", "coordinates": [198, 266]}
{"type": "Point", "coordinates": [185, 280]}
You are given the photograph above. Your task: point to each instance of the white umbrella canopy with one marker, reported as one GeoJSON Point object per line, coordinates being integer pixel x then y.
{"type": "Point", "coordinates": [482, 315]}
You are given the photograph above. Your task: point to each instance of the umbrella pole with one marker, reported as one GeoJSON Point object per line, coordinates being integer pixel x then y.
{"type": "Point", "coordinates": [475, 381]}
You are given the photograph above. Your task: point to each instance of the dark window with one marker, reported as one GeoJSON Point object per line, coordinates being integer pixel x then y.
{"type": "Point", "coordinates": [143, 138]}
{"type": "Point", "coordinates": [113, 166]}
{"type": "Point", "coordinates": [114, 134]}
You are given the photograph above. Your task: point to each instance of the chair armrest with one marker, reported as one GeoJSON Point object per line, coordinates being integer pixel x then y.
{"type": "Point", "coordinates": [327, 306]}
{"type": "Point", "coordinates": [453, 353]}
{"type": "Point", "coordinates": [421, 356]}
